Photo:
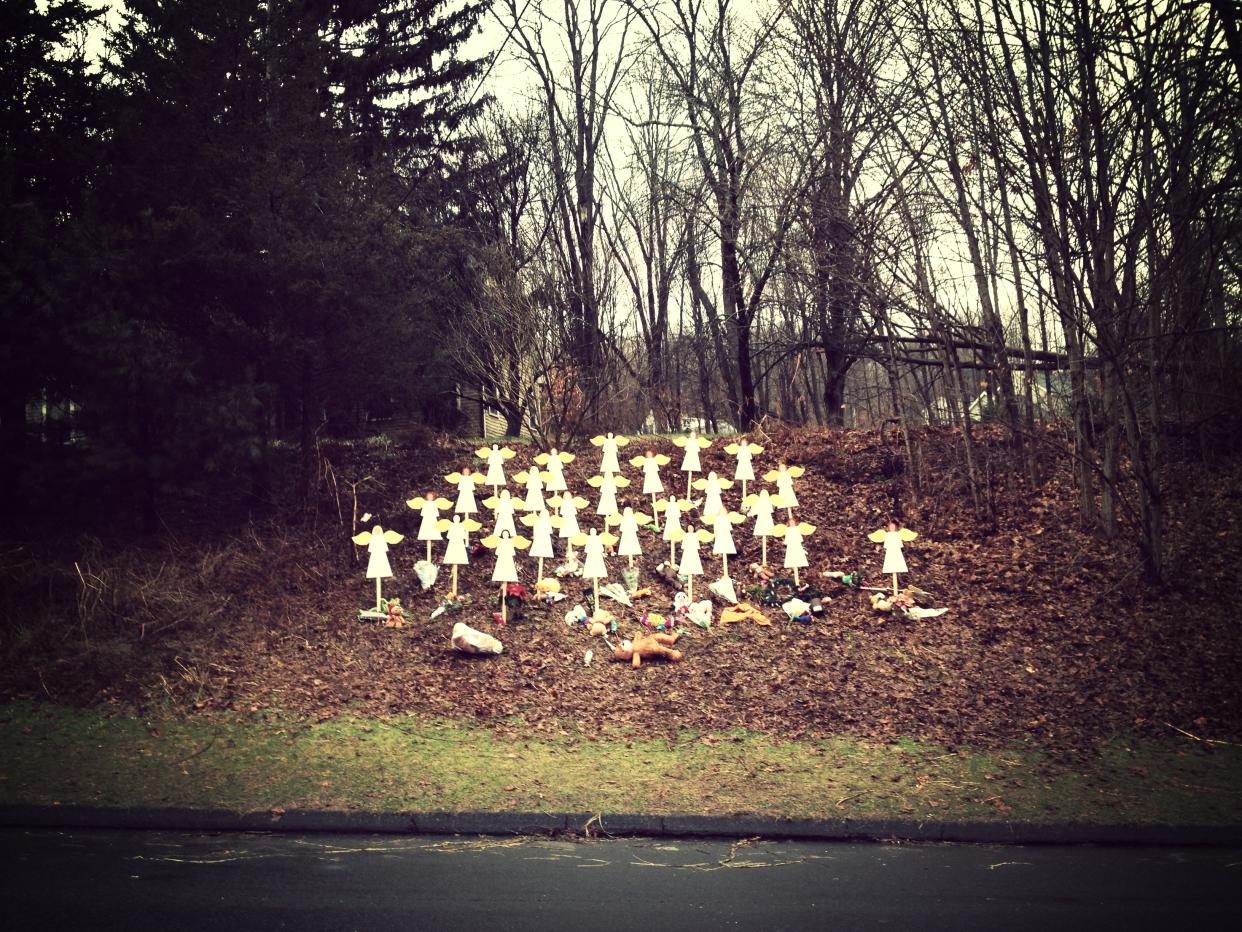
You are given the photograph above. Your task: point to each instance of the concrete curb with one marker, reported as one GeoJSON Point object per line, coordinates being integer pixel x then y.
{"type": "Point", "coordinates": [605, 824]}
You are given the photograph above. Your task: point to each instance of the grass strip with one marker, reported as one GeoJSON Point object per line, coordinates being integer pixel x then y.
{"type": "Point", "coordinates": [56, 755]}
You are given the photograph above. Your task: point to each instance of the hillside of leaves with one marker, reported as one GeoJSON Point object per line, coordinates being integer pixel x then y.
{"type": "Point", "coordinates": [1051, 636]}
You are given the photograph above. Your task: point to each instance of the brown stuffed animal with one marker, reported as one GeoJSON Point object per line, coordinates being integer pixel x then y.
{"type": "Point", "coordinates": [647, 645]}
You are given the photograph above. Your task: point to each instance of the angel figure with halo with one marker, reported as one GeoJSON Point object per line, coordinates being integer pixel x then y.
{"type": "Point", "coordinates": [466, 481]}
{"type": "Point", "coordinates": [567, 506]}
{"type": "Point", "coordinates": [504, 507]}
{"type": "Point", "coordinates": [722, 537]}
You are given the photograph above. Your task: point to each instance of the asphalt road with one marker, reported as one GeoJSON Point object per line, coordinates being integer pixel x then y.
{"type": "Point", "coordinates": [99, 880]}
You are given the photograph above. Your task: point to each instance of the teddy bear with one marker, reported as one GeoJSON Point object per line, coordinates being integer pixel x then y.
{"type": "Point", "coordinates": [647, 645]}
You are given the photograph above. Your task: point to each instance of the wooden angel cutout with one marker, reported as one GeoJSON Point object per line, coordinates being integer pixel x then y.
{"type": "Point", "coordinates": [650, 463]}
{"type": "Point", "coordinates": [745, 451]}
{"type": "Point", "coordinates": [542, 547]}
{"type": "Point", "coordinates": [607, 485]}
{"type": "Point", "coordinates": [690, 462]}
{"type": "Point", "coordinates": [505, 571]}
{"type": "Point", "coordinates": [609, 444]}
{"type": "Point", "coordinates": [554, 462]}
{"type": "Point", "coordinates": [466, 481]}
{"type": "Point", "coordinates": [504, 506]}
{"type": "Point", "coordinates": [673, 509]}
{"type": "Point", "coordinates": [456, 552]}
{"type": "Point", "coordinates": [627, 524]}
{"type": "Point", "coordinates": [535, 482]}
{"type": "Point", "coordinates": [691, 564]}
{"type": "Point", "coordinates": [795, 553]}
{"type": "Point", "coordinates": [761, 507]}
{"type": "Point", "coordinates": [784, 476]}
{"type": "Point", "coordinates": [429, 508]}
{"type": "Point", "coordinates": [593, 566]}
{"type": "Point", "coordinates": [377, 541]}
{"type": "Point", "coordinates": [567, 506]}
{"type": "Point", "coordinates": [711, 487]}
{"type": "Point", "coordinates": [722, 537]}
{"type": "Point", "coordinates": [495, 456]}
{"type": "Point", "coordinates": [892, 537]}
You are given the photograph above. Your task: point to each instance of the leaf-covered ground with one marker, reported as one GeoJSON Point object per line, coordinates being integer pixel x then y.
{"type": "Point", "coordinates": [1051, 635]}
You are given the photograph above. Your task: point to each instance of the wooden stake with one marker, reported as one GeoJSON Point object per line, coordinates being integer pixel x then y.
{"type": "Point", "coordinates": [894, 584]}
{"type": "Point", "coordinates": [763, 561]}
{"type": "Point", "coordinates": [454, 580]}
{"type": "Point", "coordinates": [689, 476]}
{"type": "Point", "coordinates": [724, 559]}
{"type": "Point", "coordinates": [631, 561]}
{"type": "Point", "coordinates": [379, 598]}
{"type": "Point", "coordinates": [596, 581]}
{"type": "Point", "coordinates": [540, 570]}
{"type": "Point", "coordinates": [789, 511]}
{"type": "Point", "coordinates": [672, 554]}
{"type": "Point", "coordinates": [690, 586]}
{"type": "Point", "coordinates": [428, 551]}
{"type": "Point", "coordinates": [743, 493]}
{"type": "Point", "coordinates": [504, 605]}
{"type": "Point", "coordinates": [797, 582]}
{"type": "Point", "coordinates": [655, 513]}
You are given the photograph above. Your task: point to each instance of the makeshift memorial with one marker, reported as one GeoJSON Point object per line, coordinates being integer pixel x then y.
{"type": "Point", "coordinates": [761, 507]}
{"type": "Point", "coordinates": [505, 571]}
{"type": "Point", "coordinates": [647, 646]}
{"type": "Point", "coordinates": [692, 443]}
{"type": "Point", "coordinates": [745, 451]}
{"type": "Point", "coordinates": [650, 463]}
{"type": "Point", "coordinates": [609, 443]}
{"type": "Point", "coordinates": [429, 508]}
{"type": "Point", "coordinates": [554, 462]}
{"type": "Point", "coordinates": [593, 566]}
{"type": "Point", "coordinates": [711, 486]}
{"type": "Point", "coordinates": [795, 554]}
{"type": "Point", "coordinates": [533, 480]}
{"type": "Point", "coordinates": [470, 641]}
{"type": "Point", "coordinates": [457, 533]}
{"type": "Point", "coordinates": [784, 476]}
{"type": "Point", "coordinates": [798, 610]}
{"type": "Point", "coordinates": [466, 482]}
{"type": "Point", "coordinates": [724, 589]}
{"type": "Point", "coordinates": [549, 590]}
{"type": "Point", "coordinates": [892, 538]}
{"type": "Point", "coordinates": [607, 485]}
{"type": "Point", "coordinates": [377, 541]}
{"type": "Point", "coordinates": [495, 456]}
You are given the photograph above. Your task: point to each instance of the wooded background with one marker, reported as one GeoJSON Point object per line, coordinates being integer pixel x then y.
{"type": "Point", "coordinates": [248, 226]}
